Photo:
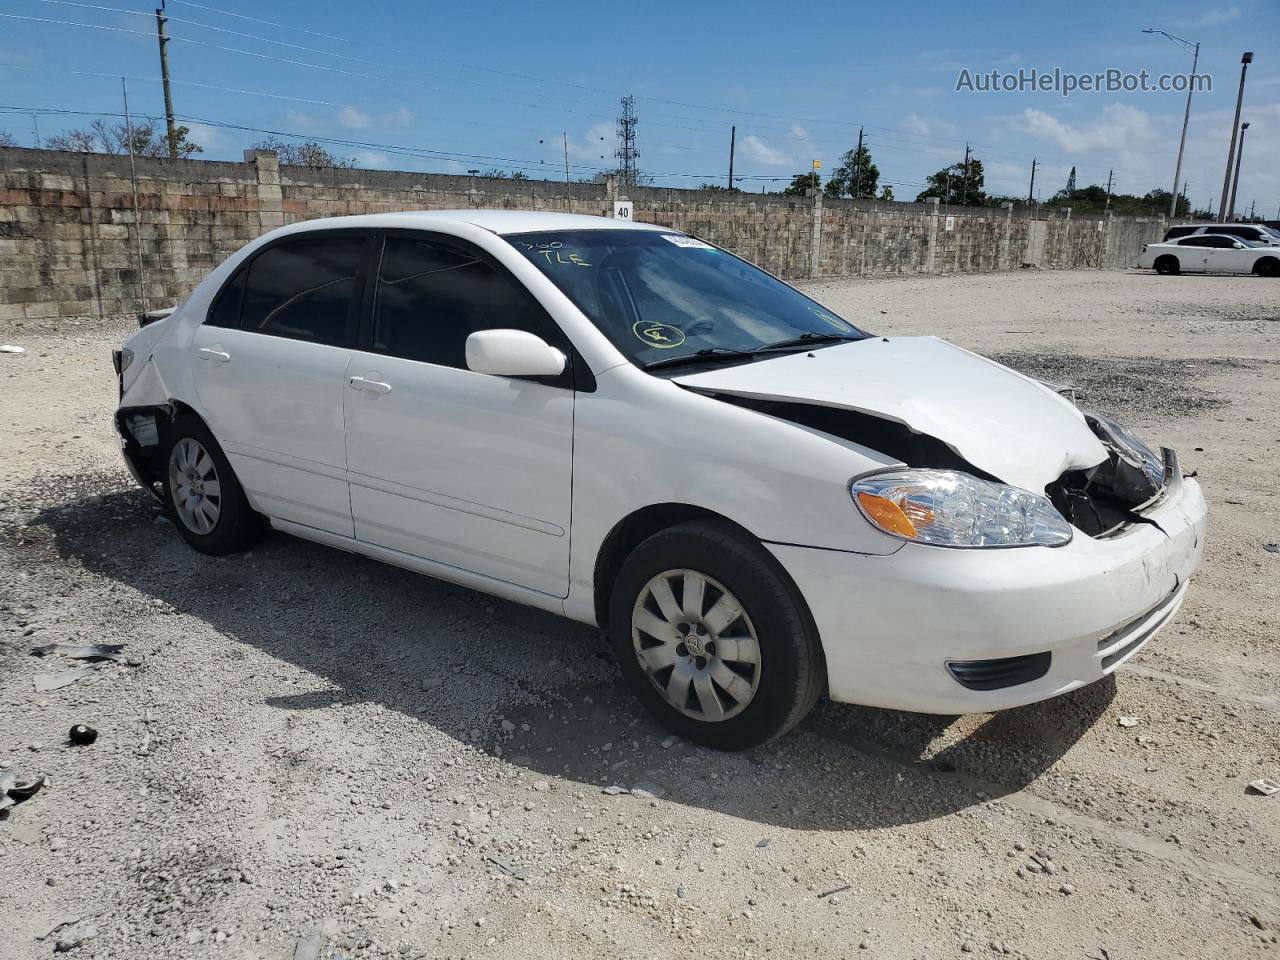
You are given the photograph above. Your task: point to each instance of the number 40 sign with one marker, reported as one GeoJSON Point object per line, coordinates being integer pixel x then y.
{"type": "Point", "coordinates": [622, 209]}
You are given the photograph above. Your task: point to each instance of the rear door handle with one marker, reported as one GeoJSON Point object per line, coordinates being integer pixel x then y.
{"type": "Point", "coordinates": [371, 386]}
{"type": "Point", "coordinates": [209, 353]}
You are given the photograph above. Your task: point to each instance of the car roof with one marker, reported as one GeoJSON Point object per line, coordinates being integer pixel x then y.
{"type": "Point", "coordinates": [1197, 226]}
{"type": "Point", "coordinates": [496, 221]}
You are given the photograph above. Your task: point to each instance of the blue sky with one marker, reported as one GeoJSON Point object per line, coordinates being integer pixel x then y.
{"type": "Point", "coordinates": [449, 87]}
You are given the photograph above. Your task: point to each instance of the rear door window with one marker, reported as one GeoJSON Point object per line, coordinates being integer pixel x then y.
{"type": "Point", "coordinates": [306, 289]}
{"type": "Point", "coordinates": [1175, 232]}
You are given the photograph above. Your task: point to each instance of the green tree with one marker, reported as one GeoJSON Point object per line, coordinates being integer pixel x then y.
{"type": "Point", "coordinates": [886, 193]}
{"type": "Point", "coordinates": [957, 185]}
{"type": "Point", "coordinates": [7, 139]}
{"type": "Point", "coordinates": [103, 137]}
{"type": "Point", "coordinates": [856, 177]}
{"type": "Point", "coordinates": [803, 183]}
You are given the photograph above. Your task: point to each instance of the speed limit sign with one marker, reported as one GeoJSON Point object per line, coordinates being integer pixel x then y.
{"type": "Point", "coordinates": [622, 209]}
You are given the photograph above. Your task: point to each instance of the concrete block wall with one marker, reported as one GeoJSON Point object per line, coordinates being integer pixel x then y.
{"type": "Point", "coordinates": [71, 241]}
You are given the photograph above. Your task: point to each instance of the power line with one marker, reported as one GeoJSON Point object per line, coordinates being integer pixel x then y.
{"type": "Point", "coordinates": [188, 83]}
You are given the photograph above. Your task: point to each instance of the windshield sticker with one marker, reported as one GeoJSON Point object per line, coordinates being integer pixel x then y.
{"type": "Point", "coordinates": [692, 243]}
{"type": "Point", "coordinates": [662, 336]}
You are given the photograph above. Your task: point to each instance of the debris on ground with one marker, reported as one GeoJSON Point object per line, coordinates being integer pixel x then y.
{"type": "Point", "coordinates": [1271, 547]}
{"type": "Point", "coordinates": [1265, 786]}
{"type": "Point", "coordinates": [1128, 721]}
{"type": "Point", "coordinates": [507, 867]}
{"type": "Point", "coordinates": [83, 651]}
{"type": "Point", "coordinates": [10, 348]}
{"type": "Point", "coordinates": [82, 735]}
{"type": "Point", "coordinates": [309, 945]}
{"type": "Point", "coordinates": [648, 791]}
{"type": "Point", "coordinates": [58, 924]}
{"type": "Point", "coordinates": [44, 682]}
{"type": "Point", "coordinates": [832, 892]}
{"type": "Point", "coordinates": [614, 790]}
{"type": "Point", "coordinates": [12, 792]}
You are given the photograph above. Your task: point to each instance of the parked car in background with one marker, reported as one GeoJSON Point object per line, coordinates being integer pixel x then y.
{"type": "Point", "coordinates": [1210, 253]}
{"type": "Point", "coordinates": [1253, 232]}
{"type": "Point", "coordinates": [757, 500]}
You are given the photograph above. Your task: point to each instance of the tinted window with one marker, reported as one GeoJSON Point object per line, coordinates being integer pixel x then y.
{"type": "Point", "coordinates": [1200, 240]}
{"type": "Point", "coordinates": [432, 296]}
{"type": "Point", "coordinates": [1176, 232]}
{"type": "Point", "coordinates": [225, 311]}
{"type": "Point", "coordinates": [305, 290]}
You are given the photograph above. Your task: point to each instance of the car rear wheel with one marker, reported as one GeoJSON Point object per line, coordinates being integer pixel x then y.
{"type": "Point", "coordinates": [205, 500]}
{"type": "Point", "coordinates": [1267, 267]}
{"type": "Point", "coordinates": [1167, 265]}
{"type": "Point", "coordinates": [713, 637]}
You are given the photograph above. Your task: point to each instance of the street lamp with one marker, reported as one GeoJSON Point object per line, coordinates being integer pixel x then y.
{"type": "Point", "coordinates": [1186, 116]}
{"type": "Point", "coordinates": [1235, 180]}
{"type": "Point", "coordinates": [1231, 150]}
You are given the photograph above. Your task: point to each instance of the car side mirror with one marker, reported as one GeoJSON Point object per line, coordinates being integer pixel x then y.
{"type": "Point", "coordinates": [513, 353]}
{"type": "Point", "coordinates": [1240, 246]}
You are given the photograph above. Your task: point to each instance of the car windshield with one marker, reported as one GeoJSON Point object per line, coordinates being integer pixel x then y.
{"type": "Point", "coordinates": [662, 296]}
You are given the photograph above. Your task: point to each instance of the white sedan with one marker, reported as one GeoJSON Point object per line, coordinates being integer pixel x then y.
{"type": "Point", "coordinates": [1210, 253]}
{"type": "Point", "coordinates": [757, 500]}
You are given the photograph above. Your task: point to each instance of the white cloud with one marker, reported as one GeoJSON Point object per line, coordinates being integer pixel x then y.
{"type": "Point", "coordinates": [211, 138]}
{"type": "Point", "coordinates": [763, 154]}
{"type": "Point", "coordinates": [302, 121]}
{"type": "Point", "coordinates": [402, 117]}
{"type": "Point", "coordinates": [353, 118]}
{"type": "Point", "coordinates": [799, 132]}
{"type": "Point", "coordinates": [594, 147]}
{"type": "Point", "coordinates": [1120, 128]}
{"type": "Point", "coordinates": [1214, 17]}
{"type": "Point", "coordinates": [1012, 58]}
{"type": "Point", "coordinates": [371, 158]}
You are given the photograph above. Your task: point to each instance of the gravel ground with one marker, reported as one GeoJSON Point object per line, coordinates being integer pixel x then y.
{"type": "Point", "coordinates": [314, 755]}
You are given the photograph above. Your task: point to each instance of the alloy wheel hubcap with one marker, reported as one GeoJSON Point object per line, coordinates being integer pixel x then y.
{"type": "Point", "coordinates": [194, 486]}
{"type": "Point", "coordinates": [696, 644]}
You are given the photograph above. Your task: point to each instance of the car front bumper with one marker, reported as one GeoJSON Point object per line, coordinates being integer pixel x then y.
{"type": "Point", "coordinates": [895, 627]}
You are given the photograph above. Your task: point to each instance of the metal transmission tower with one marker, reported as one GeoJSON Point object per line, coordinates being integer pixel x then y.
{"type": "Point", "coordinates": [1071, 182]}
{"type": "Point", "coordinates": [627, 152]}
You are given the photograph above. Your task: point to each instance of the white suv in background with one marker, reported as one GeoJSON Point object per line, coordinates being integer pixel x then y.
{"type": "Point", "coordinates": [1253, 232]}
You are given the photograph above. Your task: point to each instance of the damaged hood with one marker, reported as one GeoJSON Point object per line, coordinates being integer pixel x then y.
{"type": "Point", "coordinates": [1001, 422]}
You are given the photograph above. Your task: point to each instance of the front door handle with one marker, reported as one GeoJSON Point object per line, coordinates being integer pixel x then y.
{"type": "Point", "coordinates": [211, 353]}
{"type": "Point", "coordinates": [371, 386]}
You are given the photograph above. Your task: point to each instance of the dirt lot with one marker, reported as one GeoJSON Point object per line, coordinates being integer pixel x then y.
{"type": "Point", "coordinates": [321, 754]}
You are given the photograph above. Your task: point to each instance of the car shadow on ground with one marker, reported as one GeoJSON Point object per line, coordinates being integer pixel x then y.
{"type": "Point", "coordinates": [462, 661]}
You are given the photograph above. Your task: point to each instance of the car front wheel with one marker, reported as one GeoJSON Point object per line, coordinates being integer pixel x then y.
{"type": "Point", "coordinates": [713, 637]}
{"type": "Point", "coordinates": [205, 500]}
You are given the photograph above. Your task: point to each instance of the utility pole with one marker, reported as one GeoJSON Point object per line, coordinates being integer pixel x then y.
{"type": "Point", "coordinates": [1235, 180]}
{"type": "Point", "coordinates": [733, 136]}
{"type": "Point", "coordinates": [1186, 115]}
{"type": "Point", "coordinates": [964, 190]}
{"type": "Point", "coordinates": [1031, 191]}
{"type": "Point", "coordinates": [1253, 204]}
{"type": "Point", "coordinates": [137, 217]}
{"type": "Point", "coordinates": [568, 186]}
{"type": "Point", "coordinates": [858, 165]}
{"type": "Point", "coordinates": [1110, 174]}
{"type": "Point", "coordinates": [1231, 150]}
{"type": "Point", "coordinates": [35, 131]}
{"type": "Point", "coordinates": [161, 20]}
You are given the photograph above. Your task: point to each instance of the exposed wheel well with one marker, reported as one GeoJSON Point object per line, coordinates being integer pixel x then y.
{"type": "Point", "coordinates": [143, 448]}
{"type": "Point", "coordinates": [630, 532]}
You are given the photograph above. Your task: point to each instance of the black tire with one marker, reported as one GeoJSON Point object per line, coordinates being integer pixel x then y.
{"type": "Point", "coordinates": [792, 671]}
{"type": "Point", "coordinates": [237, 526]}
{"type": "Point", "coordinates": [1168, 265]}
{"type": "Point", "coordinates": [1267, 267]}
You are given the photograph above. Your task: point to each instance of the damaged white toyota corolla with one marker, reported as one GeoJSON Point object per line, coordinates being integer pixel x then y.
{"type": "Point", "coordinates": [633, 428]}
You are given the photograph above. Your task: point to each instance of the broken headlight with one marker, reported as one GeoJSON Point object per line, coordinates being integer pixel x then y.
{"type": "Point", "coordinates": [1138, 471]}
{"type": "Point", "coordinates": [947, 508]}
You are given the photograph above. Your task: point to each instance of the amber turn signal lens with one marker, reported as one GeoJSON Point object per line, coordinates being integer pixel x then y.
{"type": "Point", "coordinates": [886, 514]}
